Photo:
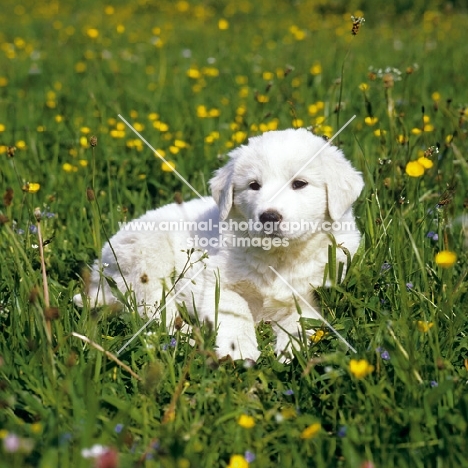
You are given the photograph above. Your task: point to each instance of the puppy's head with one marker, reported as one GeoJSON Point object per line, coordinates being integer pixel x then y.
{"type": "Point", "coordinates": [283, 178]}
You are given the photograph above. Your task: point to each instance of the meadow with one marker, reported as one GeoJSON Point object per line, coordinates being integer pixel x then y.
{"type": "Point", "coordinates": [197, 78]}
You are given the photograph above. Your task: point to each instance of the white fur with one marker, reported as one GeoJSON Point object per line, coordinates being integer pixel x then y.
{"type": "Point", "coordinates": [250, 290]}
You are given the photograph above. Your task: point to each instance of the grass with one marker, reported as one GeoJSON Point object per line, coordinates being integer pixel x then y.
{"type": "Point", "coordinates": [198, 78]}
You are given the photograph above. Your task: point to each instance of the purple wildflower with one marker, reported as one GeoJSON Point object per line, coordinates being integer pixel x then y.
{"type": "Point", "coordinates": [11, 443]}
{"type": "Point", "coordinates": [288, 392]}
{"type": "Point", "coordinates": [434, 384]}
{"type": "Point", "coordinates": [118, 428]}
{"type": "Point", "coordinates": [341, 431]}
{"type": "Point", "coordinates": [385, 267]}
{"type": "Point", "coordinates": [385, 355]}
{"type": "Point", "coordinates": [33, 229]}
{"type": "Point", "coordinates": [435, 237]}
{"type": "Point", "coordinates": [249, 456]}
{"type": "Point", "coordinates": [430, 234]}
{"type": "Point", "coordinates": [409, 286]}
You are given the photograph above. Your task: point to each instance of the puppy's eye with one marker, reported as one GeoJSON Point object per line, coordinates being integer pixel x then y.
{"type": "Point", "coordinates": [298, 184]}
{"type": "Point", "coordinates": [254, 185]}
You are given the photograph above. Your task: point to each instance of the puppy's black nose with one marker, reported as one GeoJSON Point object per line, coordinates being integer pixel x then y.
{"type": "Point", "coordinates": [270, 216]}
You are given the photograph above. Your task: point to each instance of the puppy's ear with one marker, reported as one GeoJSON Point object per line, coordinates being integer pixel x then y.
{"type": "Point", "coordinates": [344, 183]}
{"type": "Point", "coordinates": [222, 189]}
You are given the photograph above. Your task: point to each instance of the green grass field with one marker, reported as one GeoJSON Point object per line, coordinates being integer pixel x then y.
{"type": "Point", "coordinates": [197, 78]}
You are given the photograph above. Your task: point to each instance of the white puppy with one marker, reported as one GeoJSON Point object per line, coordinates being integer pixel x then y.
{"type": "Point", "coordinates": [276, 205]}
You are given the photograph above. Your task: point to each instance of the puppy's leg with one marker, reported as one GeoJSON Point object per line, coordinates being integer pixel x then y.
{"type": "Point", "coordinates": [235, 325]}
{"type": "Point", "coordinates": [236, 328]}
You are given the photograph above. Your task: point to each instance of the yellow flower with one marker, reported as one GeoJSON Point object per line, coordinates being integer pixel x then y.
{"type": "Point", "coordinates": [180, 144]}
{"type": "Point", "coordinates": [360, 368]}
{"type": "Point", "coordinates": [3, 433]}
{"type": "Point", "coordinates": [379, 132]}
{"type": "Point", "coordinates": [425, 162]}
{"type": "Point", "coordinates": [2, 128]}
{"type": "Point", "coordinates": [92, 33]}
{"type": "Point", "coordinates": [424, 326]}
{"type": "Point", "coordinates": [414, 169]}
{"type": "Point", "coordinates": [202, 111]}
{"type": "Point", "coordinates": [238, 461]}
{"type": "Point", "coordinates": [223, 24]}
{"type": "Point", "coordinates": [416, 131]}
{"type": "Point", "coordinates": [363, 86]}
{"type": "Point", "coordinates": [210, 71]}
{"type": "Point", "coordinates": [21, 144]}
{"type": "Point", "coordinates": [117, 133]}
{"type": "Point", "coordinates": [313, 109]}
{"type": "Point", "coordinates": [168, 166]}
{"type": "Point", "coordinates": [273, 125]}
{"type": "Point", "coordinates": [371, 120]}
{"type": "Point", "coordinates": [239, 136]}
{"type": "Point", "coordinates": [80, 67]}
{"type": "Point", "coordinates": [317, 336]}
{"type": "Point", "coordinates": [246, 421]}
{"type": "Point", "coordinates": [435, 96]}
{"type": "Point", "coordinates": [311, 431]}
{"type": "Point", "coordinates": [446, 258]}
{"type": "Point", "coordinates": [36, 427]}
{"type": "Point", "coordinates": [316, 69]}
{"type": "Point", "coordinates": [402, 139]}
{"type": "Point", "coordinates": [183, 6]}
{"type": "Point", "coordinates": [31, 187]}
{"type": "Point", "coordinates": [67, 167]}
{"type": "Point", "coordinates": [193, 73]}
{"type": "Point", "coordinates": [161, 126]}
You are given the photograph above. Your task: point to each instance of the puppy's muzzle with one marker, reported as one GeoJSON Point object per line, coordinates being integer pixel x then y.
{"type": "Point", "coordinates": [271, 216]}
